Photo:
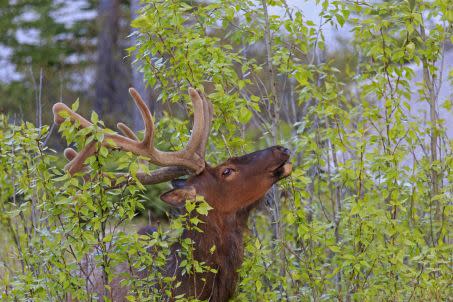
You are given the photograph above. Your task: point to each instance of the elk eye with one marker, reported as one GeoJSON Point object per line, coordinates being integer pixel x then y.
{"type": "Point", "coordinates": [227, 172]}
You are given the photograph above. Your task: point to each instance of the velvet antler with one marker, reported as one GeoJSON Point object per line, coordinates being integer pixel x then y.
{"type": "Point", "coordinates": [189, 160]}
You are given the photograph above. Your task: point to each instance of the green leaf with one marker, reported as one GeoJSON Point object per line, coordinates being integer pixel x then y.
{"type": "Point", "coordinates": [108, 238]}
{"type": "Point", "coordinates": [75, 105]}
{"type": "Point", "coordinates": [94, 117]}
{"type": "Point", "coordinates": [244, 116]}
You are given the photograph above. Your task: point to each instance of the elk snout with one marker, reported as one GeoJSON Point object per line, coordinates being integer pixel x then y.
{"type": "Point", "coordinates": [282, 168]}
{"type": "Point", "coordinates": [282, 150]}
{"type": "Point", "coordinates": [279, 156]}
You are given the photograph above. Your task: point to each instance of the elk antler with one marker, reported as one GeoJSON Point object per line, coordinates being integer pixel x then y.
{"type": "Point", "coordinates": [189, 160]}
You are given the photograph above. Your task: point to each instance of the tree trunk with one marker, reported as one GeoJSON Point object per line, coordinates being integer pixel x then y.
{"type": "Point", "coordinates": [137, 76]}
{"type": "Point", "coordinates": [112, 75]}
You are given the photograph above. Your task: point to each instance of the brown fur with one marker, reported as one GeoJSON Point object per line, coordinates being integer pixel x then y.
{"type": "Point", "coordinates": [232, 197]}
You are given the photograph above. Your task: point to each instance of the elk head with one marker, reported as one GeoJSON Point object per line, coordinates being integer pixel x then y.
{"type": "Point", "coordinates": [228, 187]}
{"type": "Point", "coordinates": [233, 186]}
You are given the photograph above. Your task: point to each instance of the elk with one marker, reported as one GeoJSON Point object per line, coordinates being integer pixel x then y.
{"type": "Point", "coordinates": [232, 189]}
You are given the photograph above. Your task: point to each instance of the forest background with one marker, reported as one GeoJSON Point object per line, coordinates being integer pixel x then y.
{"type": "Point", "coordinates": [361, 92]}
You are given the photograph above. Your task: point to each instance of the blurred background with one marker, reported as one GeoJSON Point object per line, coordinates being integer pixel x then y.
{"type": "Point", "coordinates": [64, 50]}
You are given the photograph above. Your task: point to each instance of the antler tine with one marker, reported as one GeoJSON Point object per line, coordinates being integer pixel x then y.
{"type": "Point", "coordinates": [196, 138]}
{"type": "Point", "coordinates": [127, 131]}
{"type": "Point", "coordinates": [208, 114]}
{"type": "Point", "coordinates": [76, 160]}
{"type": "Point", "coordinates": [130, 134]}
{"type": "Point", "coordinates": [147, 118]}
{"type": "Point", "coordinates": [73, 116]}
{"type": "Point", "coordinates": [70, 153]}
{"type": "Point", "coordinates": [76, 164]}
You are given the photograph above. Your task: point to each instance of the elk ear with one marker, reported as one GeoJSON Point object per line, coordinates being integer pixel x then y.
{"type": "Point", "coordinates": [177, 197]}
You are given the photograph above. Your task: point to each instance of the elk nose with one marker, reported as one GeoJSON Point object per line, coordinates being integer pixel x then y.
{"type": "Point", "coordinates": [283, 150]}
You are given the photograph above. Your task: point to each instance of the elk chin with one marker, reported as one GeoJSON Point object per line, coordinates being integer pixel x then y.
{"type": "Point", "coordinates": [283, 171]}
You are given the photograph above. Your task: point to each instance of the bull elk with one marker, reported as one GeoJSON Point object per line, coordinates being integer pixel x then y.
{"type": "Point", "coordinates": [232, 189]}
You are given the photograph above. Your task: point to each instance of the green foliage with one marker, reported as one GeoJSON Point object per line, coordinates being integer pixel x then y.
{"type": "Point", "coordinates": [365, 215]}
{"type": "Point", "coordinates": [369, 201]}
{"type": "Point", "coordinates": [65, 232]}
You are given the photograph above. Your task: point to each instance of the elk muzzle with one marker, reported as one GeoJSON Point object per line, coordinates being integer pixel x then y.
{"type": "Point", "coordinates": [283, 167]}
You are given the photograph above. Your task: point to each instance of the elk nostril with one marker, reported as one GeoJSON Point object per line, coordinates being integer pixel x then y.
{"type": "Point", "coordinates": [286, 151]}
{"type": "Point", "coordinates": [283, 150]}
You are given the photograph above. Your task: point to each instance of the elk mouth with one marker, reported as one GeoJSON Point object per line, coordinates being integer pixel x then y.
{"type": "Point", "coordinates": [283, 170]}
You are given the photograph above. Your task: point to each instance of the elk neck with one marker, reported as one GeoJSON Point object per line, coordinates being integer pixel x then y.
{"type": "Point", "coordinates": [225, 231]}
